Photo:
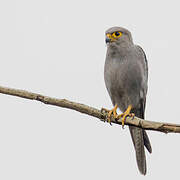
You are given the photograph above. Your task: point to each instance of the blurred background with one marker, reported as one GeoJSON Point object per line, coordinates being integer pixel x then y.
{"type": "Point", "coordinates": [57, 48]}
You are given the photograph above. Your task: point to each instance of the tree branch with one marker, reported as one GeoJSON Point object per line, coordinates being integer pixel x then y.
{"type": "Point", "coordinates": [102, 115]}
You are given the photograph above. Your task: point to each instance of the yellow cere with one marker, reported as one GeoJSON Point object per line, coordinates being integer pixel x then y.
{"type": "Point", "coordinates": [108, 35]}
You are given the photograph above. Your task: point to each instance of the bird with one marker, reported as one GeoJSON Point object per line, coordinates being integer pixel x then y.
{"type": "Point", "coordinates": [126, 78]}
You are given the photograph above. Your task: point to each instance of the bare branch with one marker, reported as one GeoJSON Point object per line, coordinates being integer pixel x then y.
{"type": "Point", "coordinates": [102, 115]}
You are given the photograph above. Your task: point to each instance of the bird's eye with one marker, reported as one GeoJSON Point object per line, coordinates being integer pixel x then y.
{"type": "Point", "coordinates": [117, 34]}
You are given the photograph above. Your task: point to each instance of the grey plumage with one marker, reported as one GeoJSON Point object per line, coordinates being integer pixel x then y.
{"type": "Point", "coordinates": [126, 75]}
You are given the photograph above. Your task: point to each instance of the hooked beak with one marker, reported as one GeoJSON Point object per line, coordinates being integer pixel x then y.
{"type": "Point", "coordinates": [108, 40]}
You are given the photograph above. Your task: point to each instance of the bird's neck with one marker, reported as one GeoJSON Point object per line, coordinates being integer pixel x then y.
{"type": "Point", "coordinates": [119, 50]}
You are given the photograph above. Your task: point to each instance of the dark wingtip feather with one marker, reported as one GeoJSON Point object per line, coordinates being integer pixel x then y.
{"type": "Point", "coordinates": [147, 143]}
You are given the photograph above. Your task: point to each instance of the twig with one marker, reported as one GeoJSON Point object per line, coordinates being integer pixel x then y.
{"type": "Point", "coordinates": [102, 115]}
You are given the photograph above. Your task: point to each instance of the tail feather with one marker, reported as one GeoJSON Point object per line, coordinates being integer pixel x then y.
{"type": "Point", "coordinates": [140, 139]}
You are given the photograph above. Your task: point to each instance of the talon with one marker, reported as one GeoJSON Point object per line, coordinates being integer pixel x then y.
{"type": "Point", "coordinates": [111, 112]}
{"type": "Point", "coordinates": [109, 116]}
{"type": "Point", "coordinates": [132, 115]}
{"type": "Point", "coordinates": [125, 114]}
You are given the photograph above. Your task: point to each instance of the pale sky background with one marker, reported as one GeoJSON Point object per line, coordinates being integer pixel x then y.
{"type": "Point", "coordinates": [57, 48]}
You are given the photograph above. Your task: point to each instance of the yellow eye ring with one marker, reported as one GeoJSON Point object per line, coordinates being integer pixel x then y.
{"type": "Point", "coordinates": [117, 34]}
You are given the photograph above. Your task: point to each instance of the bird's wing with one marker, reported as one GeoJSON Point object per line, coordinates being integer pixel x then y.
{"type": "Point", "coordinates": [144, 61]}
{"type": "Point", "coordinates": [139, 136]}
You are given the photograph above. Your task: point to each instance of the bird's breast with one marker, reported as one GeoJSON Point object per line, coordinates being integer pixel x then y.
{"type": "Point", "coordinates": [123, 82]}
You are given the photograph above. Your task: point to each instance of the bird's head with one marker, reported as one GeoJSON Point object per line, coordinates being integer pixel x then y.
{"type": "Point", "coordinates": [118, 35]}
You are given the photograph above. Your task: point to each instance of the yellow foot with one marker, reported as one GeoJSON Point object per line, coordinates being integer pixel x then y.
{"type": "Point", "coordinates": [111, 112]}
{"type": "Point", "coordinates": [125, 114]}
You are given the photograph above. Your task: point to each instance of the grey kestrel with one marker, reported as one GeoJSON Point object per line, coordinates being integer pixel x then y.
{"type": "Point", "coordinates": [126, 75]}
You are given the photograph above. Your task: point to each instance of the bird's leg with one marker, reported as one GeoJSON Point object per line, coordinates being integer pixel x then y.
{"type": "Point", "coordinates": [125, 114]}
{"type": "Point", "coordinates": [111, 112]}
